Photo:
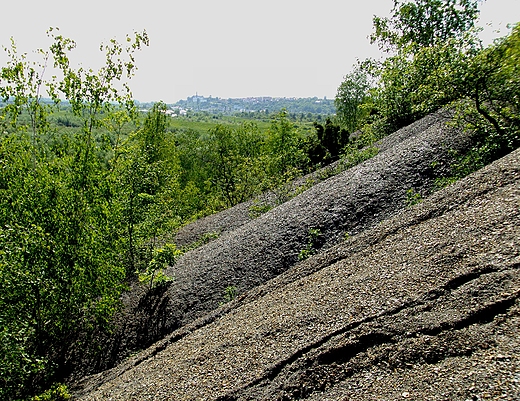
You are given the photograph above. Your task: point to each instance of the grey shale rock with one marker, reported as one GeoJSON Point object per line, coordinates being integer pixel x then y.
{"type": "Point", "coordinates": [423, 306]}
{"type": "Point", "coordinates": [256, 251]}
{"type": "Point", "coordinates": [236, 216]}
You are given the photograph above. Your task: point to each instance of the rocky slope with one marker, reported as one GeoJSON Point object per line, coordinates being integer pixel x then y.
{"type": "Point", "coordinates": [424, 305]}
{"type": "Point", "coordinates": [234, 217]}
{"type": "Point", "coordinates": [249, 252]}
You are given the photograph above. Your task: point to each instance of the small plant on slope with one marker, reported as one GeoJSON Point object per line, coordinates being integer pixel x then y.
{"type": "Point", "coordinates": [312, 242]}
{"type": "Point", "coordinates": [162, 257]}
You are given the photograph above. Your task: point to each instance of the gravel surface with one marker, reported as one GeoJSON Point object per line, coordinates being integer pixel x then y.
{"type": "Point", "coordinates": [248, 253]}
{"type": "Point", "coordinates": [423, 306]}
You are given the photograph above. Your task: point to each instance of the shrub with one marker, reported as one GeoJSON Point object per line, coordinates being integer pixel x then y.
{"type": "Point", "coordinates": [312, 244]}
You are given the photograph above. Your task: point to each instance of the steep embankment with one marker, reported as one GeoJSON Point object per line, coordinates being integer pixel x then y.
{"type": "Point", "coordinates": [252, 252]}
{"type": "Point", "coordinates": [241, 214]}
{"type": "Point", "coordinates": [422, 306]}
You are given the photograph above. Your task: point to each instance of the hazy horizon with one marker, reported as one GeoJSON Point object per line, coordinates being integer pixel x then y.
{"type": "Point", "coordinates": [226, 48]}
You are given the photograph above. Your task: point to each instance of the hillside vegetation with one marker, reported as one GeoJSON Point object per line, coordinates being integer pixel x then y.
{"type": "Point", "coordinates": [98, 258]}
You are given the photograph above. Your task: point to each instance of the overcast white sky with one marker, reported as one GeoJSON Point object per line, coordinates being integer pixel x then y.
{"type": "Point", "coordinates": [223, 48]}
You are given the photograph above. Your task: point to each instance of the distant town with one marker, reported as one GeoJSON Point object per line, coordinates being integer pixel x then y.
{"type": "Point", "coordinates": [267, 105]}
{"type": "Point", "coordinates": [302, 107]}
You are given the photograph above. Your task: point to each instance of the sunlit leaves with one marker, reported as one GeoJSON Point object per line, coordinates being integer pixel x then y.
{"type": "Point", "coordinates": [491, 82]}
{"type": "Point", "coordinates": [283, 143]}
{"type": "Point", "coordinates": [352, 94]}
{"type": "Point", "coordinates": [92, 92]}
{"type": "Point", "coordinates": [237, 168]}
{"type": "Point", "coordinates": [421, 23]}
{"type": "Point", "coordinates": [428, 45]}
{"type": "Point", "coordinates": [60, 216]}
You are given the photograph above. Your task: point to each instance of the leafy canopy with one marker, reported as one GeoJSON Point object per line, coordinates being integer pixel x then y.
{"type": "Point", "coordinates": [420, 23]}
{"type": "Point", "coordinates": [424, 41]}
{"type": "Point", "coordinates": [60, 243]}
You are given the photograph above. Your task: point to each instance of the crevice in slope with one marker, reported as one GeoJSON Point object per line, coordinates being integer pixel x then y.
{"type": "Point", "coordinates": [421, 302]}
{"type": "Point", "coordinates": [462, 338]}
{"type": "Point", "coordinates": [341, 362]}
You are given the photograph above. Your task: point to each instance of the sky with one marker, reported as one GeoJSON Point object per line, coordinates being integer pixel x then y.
{"type": "Point", "coordinates": [222, 48]}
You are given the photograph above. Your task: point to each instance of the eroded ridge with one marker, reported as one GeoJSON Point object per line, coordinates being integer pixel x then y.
{"type": "Point", "coordinates": [250, 253]}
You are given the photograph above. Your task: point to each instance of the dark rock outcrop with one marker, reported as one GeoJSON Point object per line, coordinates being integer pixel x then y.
{"type": "Point", "coordinates": [243, 213]}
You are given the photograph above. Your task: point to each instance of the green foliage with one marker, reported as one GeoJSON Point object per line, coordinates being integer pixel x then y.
{"type": "Point", "coordinates": [18, 364]}
{"type": "Point", "coordinates": [434, 60]}
{"type": "Point", "coordinates": [257, 209]}
{"type": "Point", "coordinates": [413, 197]}
{"type": "Point", "coordinates": [313, 237]}
{"type": "Point", "coordinates": [237, 166]}
{"type": "Point", "coordinates": [412, 85]}
{"type": "Point", "coordinates": [428, 43]}
{"type": "Point", "coordinates": [359, 149]}
{"type": "Point", "coordinates": [331, 141]}
{"type": "Point", "coordinates": [162, 258]}
{"type": "Point", "coordinates": [148, 188]}
{"type": "Point", "coordinates": [284, 145]}
{"type": "Point", "coordinates": [58, 392]}
{"type": "Point", "coordinates": [492, 84]}
{"type": "Point", "coordinates": [442, 182]}
{"type": "Point", "coordinates": [60, 275]}
{"type": "Point", "coordinates": [230, 293]}
{"type": "Point", "coordinates": [232, 163]}
{"type": "Point", "coordinates": [422, 23]}
{"type": "Point", "coordinates": [485, 88]}
{"type": "Point", "coordinates": [167, 255]}
{"type": "Point", "coordinates": [352, 95]}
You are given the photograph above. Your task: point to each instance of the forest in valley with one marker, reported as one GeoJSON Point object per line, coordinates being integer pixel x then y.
{"type": "Point", "coordinates": [92, 189]}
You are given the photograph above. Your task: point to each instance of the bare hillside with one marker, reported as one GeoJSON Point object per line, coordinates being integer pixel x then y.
{"type": "Point", "coordinates": [249, 252]}
{"type": "Point", "coordinates": [234, 217]}
{"type": "Point", "coordinates": [422, 306]}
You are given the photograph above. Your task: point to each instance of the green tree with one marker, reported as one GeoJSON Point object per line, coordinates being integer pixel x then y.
{"type": "Point", "coordinates": [421, 23]}
{"type": "Point", "coordinates": [149, 186]}
{"type": "Point", "coordinates": [237, 163]}
{"type": "Point", "coordinates": [22, 84]}
{"type": "Point", "coordinates": [60, 275]}
{"type": "Point", "coordinates": [352, 94]}
{"type": "Point", "coordinates": [435, 59]}
{"type": "Point", "coordinates": [285, 147]}
{"type": "Point", "coordinates": [490, 82]}
{"type": "Point", "coordinates": [331, 140]}
{"type": "Point", "coordinates": [427, 40]}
